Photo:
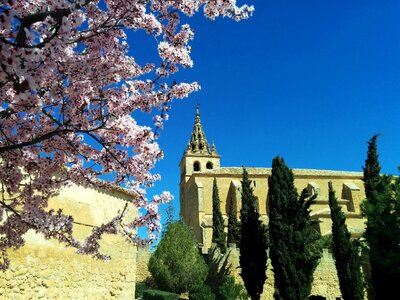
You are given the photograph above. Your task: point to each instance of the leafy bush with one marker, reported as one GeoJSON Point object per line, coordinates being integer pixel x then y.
{"type": "Point", "coordinates": [139, 289]}
{"type": "Point", "coordinates": [230, 290]}
{"type": "Point", "coordinates": [201, 292]}
{"type": "Point", "coordinates": [177, 265]}
{"type": "Point", "coordinates": [159, 295]}
{"type": "Point", "coordinates": [325, 242]}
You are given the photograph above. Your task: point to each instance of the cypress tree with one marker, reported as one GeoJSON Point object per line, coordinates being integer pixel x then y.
{"type": "Point", "coordinates": [293, 250]}
{"type": "Point", "coordinates": [253, 242]}
{"type": "Point", "coordinates": [372, 167]}
{"type": "Point", "coordinates": [218, 235]}
{"type": "Point", "coordinates": [233, 225]}
{"type": "Point", "coordinates": [346, 253]}
{"type": "Point", "coordinates": [382, 234]}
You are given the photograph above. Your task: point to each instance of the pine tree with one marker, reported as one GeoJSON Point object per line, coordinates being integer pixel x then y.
{"type": "Point", "coordinates": [218, 235]}
{"type": "Point", "coordinates": [233, 225]}
{"type": "Point", "coordinates": [382, 234]}
{"type": "Point", "coordinates": [253, 242]}
{"type": "Point", "coordinates": [346, 253]}
{"type": "Point", "coordinates": [293, 250]}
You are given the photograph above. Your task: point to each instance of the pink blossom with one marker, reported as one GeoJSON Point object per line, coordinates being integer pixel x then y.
{"type": "Point", "coordinates": [68, 89]}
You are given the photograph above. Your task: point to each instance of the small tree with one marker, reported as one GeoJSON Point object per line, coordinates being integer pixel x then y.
{"type": "Point", "coordinates": [233, 225]}
{"type": "Point", "coordinates": [177, 265]}
{"type": "Point", "coordinates": [253, 242]}
{"type": "Point", "coordinates": [382, 210]}
{"type": "Point", "coordinates": [293, 250]}
{"type": "Point", "coordinates": [218, 235]}
{"type": "Point", "coordinates": [346, 253]}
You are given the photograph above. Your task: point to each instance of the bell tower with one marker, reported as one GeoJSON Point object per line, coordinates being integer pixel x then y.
{"type": "Point", "coordinates": [198, 157]}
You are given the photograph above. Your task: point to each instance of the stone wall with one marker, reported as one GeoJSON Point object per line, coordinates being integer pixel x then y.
{"type": "Point", "coordinates": [325, 279]}
{"type": "Point", "coordinates": [325, 282]}
{"type": "Point", "coordinates": [45, 269]}
{"type": "Point", "coordinates": [142, 265]}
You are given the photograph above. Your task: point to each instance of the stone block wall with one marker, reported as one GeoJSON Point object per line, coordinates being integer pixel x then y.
{"type": "Point", "coordinates": [55, 272]}
{"type": "Point", "coordinates": [142, 265]}
{"type": "Point", "coordinates": [325, 282]}
{"type": "Point", "coordinates": [46, 269]}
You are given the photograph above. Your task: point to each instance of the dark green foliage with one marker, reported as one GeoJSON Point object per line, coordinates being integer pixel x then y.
{"type": "Point", "coordinates": [140, 287]}
{"type": "Point", "coordinates": [372, 167]}
{"type": "Point", "coordinates": [383, 236]}
{"type": "Point", "coordinates": [201, 292]}
{"type": "Point", "coordinates": [218, 235]}
{"type": "Point", "coordinates": [382, 210]}
{"type": "Point", "coordinates": [233, 225]}
{"type": "Point", "coordinates": [293, 241]}
{"type": "Point", "coordinates": [253, 242]}
{"type": "Point", "coordinates": [230, 290]}
{"type": "Point", "coordinates": [346, 253]}
{"type": "Point", "coordinates": [325, 242]}
{"type": "Point", "coordinates": [177, 265]}
{"type": "Point", "coordinates": [159, 295]}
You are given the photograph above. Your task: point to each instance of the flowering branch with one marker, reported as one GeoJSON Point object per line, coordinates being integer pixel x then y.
{"type": "Point", "coordinates": [68, 91]}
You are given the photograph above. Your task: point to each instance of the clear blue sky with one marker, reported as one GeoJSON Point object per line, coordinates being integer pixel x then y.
{"type": "Point", "coordinates": [310, 81]}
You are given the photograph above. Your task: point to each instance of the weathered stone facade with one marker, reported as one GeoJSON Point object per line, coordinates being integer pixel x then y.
{"type": "Point", "coordinates": [142, 265]}
{"type": "Point", "coordinates": [325, 282]}
{"type": "Point", "coordinates": [45, 269]}
{"type": "Point", "coordinates": [200, 164]}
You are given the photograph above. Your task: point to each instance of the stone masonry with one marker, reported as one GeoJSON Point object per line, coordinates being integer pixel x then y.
{"type": "Point", "coordinates": [45, 269]}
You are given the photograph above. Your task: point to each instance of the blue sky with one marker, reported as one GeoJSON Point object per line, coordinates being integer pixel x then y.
{"type": "Point", "coordinates": [310, 81]}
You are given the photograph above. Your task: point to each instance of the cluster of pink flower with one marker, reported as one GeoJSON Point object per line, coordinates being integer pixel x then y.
{"type": "Point", "coordinates": [68, 89]}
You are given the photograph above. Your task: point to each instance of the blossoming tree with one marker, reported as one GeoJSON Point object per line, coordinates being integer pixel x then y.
{"type": "Point", "coordinates": [68, 88]}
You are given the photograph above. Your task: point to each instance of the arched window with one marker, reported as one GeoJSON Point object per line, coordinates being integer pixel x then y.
{"type": "Point", "coordinates": [209, 165]}
{"type": "Point", "coordinates": [196, 166]}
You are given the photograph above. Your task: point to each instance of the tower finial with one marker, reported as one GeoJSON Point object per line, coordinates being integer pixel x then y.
{"type": "Point", "coordinates": [197, 112]}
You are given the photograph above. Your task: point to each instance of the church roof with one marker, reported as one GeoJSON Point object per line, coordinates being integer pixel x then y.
{"type": "Point", "coordinates": [198, 142]}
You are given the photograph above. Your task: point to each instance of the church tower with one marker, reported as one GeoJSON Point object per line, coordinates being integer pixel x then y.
{"type": "Point", "coordinates": [199, 161]}
{"type": "Point", "coordinates": [198, 156]}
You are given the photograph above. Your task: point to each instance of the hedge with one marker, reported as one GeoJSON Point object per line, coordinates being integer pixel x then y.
{"type": "Point", "coordinates": [159, 295]}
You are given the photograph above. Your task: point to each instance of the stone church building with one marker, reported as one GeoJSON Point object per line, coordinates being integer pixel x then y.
{"type": "Point", "coordinates": [200, 164]}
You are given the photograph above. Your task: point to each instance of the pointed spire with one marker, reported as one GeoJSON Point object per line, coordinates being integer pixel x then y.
{"type": "Point", "coordinates": [198, 142]}
{"type": "Point", "coordinates": [213, 149]}
{"type": "Point", "coordinates": [197, 117]}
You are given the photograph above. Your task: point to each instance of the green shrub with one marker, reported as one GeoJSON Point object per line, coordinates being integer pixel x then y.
{"type": "Point", "coordinates": [201, 292]}
{"type": "Point", "coordinates": [230, 290]}
{"type": "Point", "coordinates": [159, 295]}
{"type": "Point", "coordinates": [177, 265]}
{"type": "Point", "coordinates": [139, 289]}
